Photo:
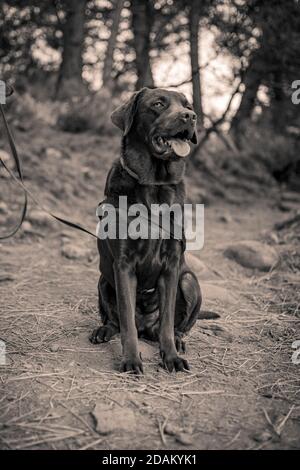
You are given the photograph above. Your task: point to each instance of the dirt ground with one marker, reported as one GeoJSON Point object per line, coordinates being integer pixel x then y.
{"type": "Point", "coordinates": [243, 389]}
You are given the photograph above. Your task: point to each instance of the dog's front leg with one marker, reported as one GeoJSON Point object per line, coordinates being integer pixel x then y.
{"type": "Point", "coordinates": [168, 284]}
{"type": "Point", "coordinates": [125, 282]}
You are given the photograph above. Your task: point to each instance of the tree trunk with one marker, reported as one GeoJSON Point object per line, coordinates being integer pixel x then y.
{"type": "Point", "coordinates": [142, 21]}
{"type": "Point", "coordinates": [70, 75]}
{"type": "Point", "coordinates": [194, 18]}
{"type": "Point", "coordinates": [108, 62]}
{"type": "Point", "coordinates": [279, 102]}
{"type": "Point", "coordinates": [252, 80]}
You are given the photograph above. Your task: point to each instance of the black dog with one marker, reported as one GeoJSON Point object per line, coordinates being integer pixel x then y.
{"type": "Point", "coordinates": [146, 289]}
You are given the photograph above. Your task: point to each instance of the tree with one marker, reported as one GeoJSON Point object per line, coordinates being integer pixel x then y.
{"type": "Point", "coordinates": [252, 78]}
{"type": "Point", "coordinates": [142, 22]}
{"type": "Point", "coordinates": [70, 74]}
{"type": "Point", "coordinates": [194, 19]}
{"type": "Point", "coordinates": [108, 62]}
{"type": "Point", "coordinates": [18, 34]}
{"type": "Point", "coordinates": [259, 37]}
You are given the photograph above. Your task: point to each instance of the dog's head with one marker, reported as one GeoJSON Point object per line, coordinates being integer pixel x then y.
{"type": "Point", "coordinates": [163, 120]}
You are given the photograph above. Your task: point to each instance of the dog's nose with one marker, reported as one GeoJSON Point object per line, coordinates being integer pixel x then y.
{"type": "Point", "coordinates": [188, 116]}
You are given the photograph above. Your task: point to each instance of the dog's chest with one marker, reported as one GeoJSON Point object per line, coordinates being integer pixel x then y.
{"type": "Point", "coordinates": [154, 252]}
{"type": "Point", "coordinates": [149, 195]}
{"type": "Point", "coordinates": [152, 257]}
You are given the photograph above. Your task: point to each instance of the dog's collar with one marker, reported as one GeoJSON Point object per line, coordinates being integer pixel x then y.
{"type": "Point", "coordinates": [129, 171]}
{"type": "Point", "coordinates": [136, 177]}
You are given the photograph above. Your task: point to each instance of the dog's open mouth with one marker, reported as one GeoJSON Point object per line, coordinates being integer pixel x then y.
{"type": "Point", "coordinates": [179, 144]}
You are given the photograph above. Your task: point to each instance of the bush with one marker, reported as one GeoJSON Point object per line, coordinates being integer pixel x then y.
{"type": "Point", "coordinates": [276, 151]}
{"type": "Point", "coordinates": [90, 113]}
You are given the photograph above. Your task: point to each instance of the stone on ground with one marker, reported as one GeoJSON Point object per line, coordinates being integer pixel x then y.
{"type": "Point", "coordinates": [39, 218]}
{"type": "Point", "coordinates": [8, 160]}
{"type": "Point", "coordinates": [3, 208]}
{"type": "Point", "coordinates": [200, 269]}
{"type": "Point", "coordinates": [5, 277]}
{"type": "Point", "coordinates": [109, 420]}
{"type": "Point", "coordinates": [75, 251]}
{"type": "Point", "coordinates": [214, 294]}
{"type": "Point", "coordinates": [55, 153]}
{"type": "Point", "coordinates": [252, 254]}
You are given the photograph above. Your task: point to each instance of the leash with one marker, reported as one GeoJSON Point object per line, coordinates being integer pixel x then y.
{"type": "Point", "coordinates": [26, 191]}
{"type": "Point", "coordinates": [20, 173]}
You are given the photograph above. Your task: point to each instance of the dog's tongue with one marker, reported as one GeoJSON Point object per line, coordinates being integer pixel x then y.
{"type": "Point", "coordinates": [180, 147]}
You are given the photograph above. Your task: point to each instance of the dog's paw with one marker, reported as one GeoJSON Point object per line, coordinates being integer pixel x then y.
{"type": "Point", "coordinates": [180, 344]}
{"type": "Point", "coordinates": [173, 362]}
{"type": "Point", "coordinates": [133, 365]}
{"type": "Point", "coordinates": [102, 334]}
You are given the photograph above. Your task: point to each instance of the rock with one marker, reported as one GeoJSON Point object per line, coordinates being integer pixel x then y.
{"type": "Point", "coordinates": [171, 429]}
{"type": "Point", "coordinates": [54, 347]}
{"type": "Point", "coordinates": [5, 156]}
{"type": "Point", "coordinates": [253, 254]}
{"type": "Point", "coordinates": [147, 350]}
{"type": "Point", "coordinates": [87, 173]}
{"type": "Point", "coordinates": [212, 293]}
{"type": "Point", "coordinates": [195, 263]}
{"type": "Point", "coordinates": [4, 277]}
{"type": "Point", "coordinates": [54, 153]}
{"type": "Point", "coordinates": [184, 439]}
{"type": "Point", "coordinates": [216, 330]}
{"type": "Point", "coordinates": [39, 218]}
{"type": "Point", "coordinates": [263, 436]}
{"type": "Point", "coordinates": [267, 395]}
{"type": "Point", "coordinates": [199, 268]}
{"type": "Point", "coordinates": [73, 251]}
{"type": "Point", "coordinates": [180, 436]}
{"type": "Point", "coordinates": [27, 227]}
{"type": "Point", "coordinates": [3, 208]}
{"type": "Point", "coordinates": [225, 218]}
{"type": "Point", "coordinates": [109, 420]}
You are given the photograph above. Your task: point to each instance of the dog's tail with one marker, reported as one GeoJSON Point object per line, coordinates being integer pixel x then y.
{"type": "Point", "coordinates": [207, 315]}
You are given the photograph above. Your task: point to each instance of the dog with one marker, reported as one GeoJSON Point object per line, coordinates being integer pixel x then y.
{"type": "Point", "coordinates": [146, 288]}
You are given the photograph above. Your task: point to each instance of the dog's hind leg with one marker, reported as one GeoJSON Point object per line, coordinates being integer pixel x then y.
{"type": "Point", "coordinates": [108, 313]}
{"type": "Point", "coordinates": [188, 303]}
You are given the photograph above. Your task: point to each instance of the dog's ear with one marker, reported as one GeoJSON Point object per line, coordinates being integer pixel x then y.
{"type": "Point", "coordinates": [123, 116]}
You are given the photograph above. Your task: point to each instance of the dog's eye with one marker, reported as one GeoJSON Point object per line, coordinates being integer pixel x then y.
{"type": "Point", "coordinates": [158, 104]}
